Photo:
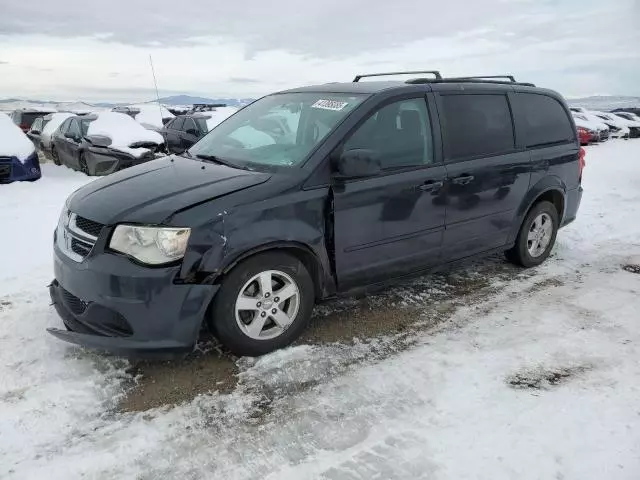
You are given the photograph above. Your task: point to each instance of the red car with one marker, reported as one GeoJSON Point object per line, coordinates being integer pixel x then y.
{"type": "Point", "coordinates": [586, 136]}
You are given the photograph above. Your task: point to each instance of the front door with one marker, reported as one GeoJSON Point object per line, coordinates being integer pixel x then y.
{"type": "Point", "coordinates": [488, 176]}
{"type": "Point", "coordinates": [392, 223]}
{"type": "Point", "coordinates": [69, 153]}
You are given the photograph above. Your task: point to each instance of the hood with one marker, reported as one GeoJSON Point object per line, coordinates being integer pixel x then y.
{"type": "Point", "coordinates": [153, 191]}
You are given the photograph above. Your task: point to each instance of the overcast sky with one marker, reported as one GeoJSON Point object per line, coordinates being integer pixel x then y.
{"type": "Point", "coordinates": [98, 50]}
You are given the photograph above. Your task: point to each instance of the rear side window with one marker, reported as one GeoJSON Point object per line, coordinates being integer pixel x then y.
{"type": "Point", "coordinates": [64, 127]}
{"type": "Point", "coordinates": [477, 125]}
{"type": "Point", "coordinates": [177, 123]}
{"type": "Point", "coordinates": [545, 120]}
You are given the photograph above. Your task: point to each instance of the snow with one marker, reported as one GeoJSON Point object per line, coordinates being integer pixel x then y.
{"type": "Point", "coordinates": [218, 115]}
{"type": "Point", "coordinates": [52, 125]}
{"type": "Point", "coordinates": [123, 131]}
{"type": "Point", "coordinates": [443, 407]}
{"type": "Point", "coordinates": [13, 141]}
{"type": "Point", "coordinates": [151, 114]}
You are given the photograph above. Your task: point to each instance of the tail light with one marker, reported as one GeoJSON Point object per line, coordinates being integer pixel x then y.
{"type": "Point", "coordinates": [581, 162]}
{"type": "Point", "coordinates": [583, 131]}
{"type": "Point", "coordinates": [24, 127]}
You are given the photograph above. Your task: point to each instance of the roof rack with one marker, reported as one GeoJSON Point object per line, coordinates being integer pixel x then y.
{"type": "Point", "coordinates": [435, 73]}
{"type": "Point", "coordinates": [498, 79]}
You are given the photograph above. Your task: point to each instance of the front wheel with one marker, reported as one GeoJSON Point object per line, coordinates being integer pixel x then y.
{"type": "Point", "coordinates": [536, 237]}
{"type": "Point", "coordinates": [263, 305]}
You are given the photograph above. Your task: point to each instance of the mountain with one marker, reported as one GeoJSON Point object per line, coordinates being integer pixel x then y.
{"type": "Point", "coordinates": [190, 100]}
{"type": "Point", "coordinates": [605, 102]}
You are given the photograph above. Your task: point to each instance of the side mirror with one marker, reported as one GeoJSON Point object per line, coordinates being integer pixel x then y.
{"type": "Point", "coordinates": [34, 132]}
{"type": "Point", "coordinates": [98, 140]}
{"type": "Point", "coordinates": [359, 162]}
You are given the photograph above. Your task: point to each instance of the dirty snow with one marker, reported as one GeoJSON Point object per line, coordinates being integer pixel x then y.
{"type": "Point", "coordinates": [13, 141]}
{"type": "Point", "coordinates": [123, 131]}
{"type": "Point", "coordinates": [540, 380]}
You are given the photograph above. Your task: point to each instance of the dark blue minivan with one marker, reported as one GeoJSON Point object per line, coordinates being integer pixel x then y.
{"type": "Point", "coordinates": [370, 182]}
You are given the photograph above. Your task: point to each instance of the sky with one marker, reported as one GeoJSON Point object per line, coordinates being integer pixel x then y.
{"type": "Point", "coordinates": [99, 50]}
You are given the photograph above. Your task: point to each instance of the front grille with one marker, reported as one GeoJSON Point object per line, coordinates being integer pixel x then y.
{"type": "Point", "coordinates": [5, 169]}
{"type": "Point", "coordinates": [73, 303]}
{"type": "Point", "coordinates": [80, 248]}
{"type": "Point", "coordinates": [88, 226]}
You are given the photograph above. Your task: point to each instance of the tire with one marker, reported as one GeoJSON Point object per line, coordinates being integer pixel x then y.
{"type": "Point", "coordinates": [55, 157]}
{"type": "Point", "coordinates": [524, 252]}
{"type": "Point", "coordinates": [226, 321]}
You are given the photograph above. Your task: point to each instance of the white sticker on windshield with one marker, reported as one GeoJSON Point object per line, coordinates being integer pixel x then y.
{"type": "Point", "coordinates": [330, 105]}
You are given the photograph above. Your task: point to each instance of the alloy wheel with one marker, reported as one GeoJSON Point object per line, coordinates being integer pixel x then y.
{"type": "Point", "coordinates": [267, 305]}
{"type": "Point", "coordinates": [540, 234]}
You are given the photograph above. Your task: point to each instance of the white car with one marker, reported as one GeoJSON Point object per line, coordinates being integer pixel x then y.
{"type": "Point", "coordinates": [618, 127]}
{"type": "Point", "coordinates": [632, 121]}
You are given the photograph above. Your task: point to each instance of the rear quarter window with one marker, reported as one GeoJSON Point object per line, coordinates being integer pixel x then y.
{"type": "Point", "coordinates": [477, 125]}
{"type": "Point", "coordinates": [545, 120]}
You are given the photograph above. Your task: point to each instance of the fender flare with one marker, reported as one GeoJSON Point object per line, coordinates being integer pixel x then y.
{"type": "Point", "coordinates": [545, 185]}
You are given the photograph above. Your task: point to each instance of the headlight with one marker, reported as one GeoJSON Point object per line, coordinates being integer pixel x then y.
{"type": "Point", "coordinates": [151, 245]}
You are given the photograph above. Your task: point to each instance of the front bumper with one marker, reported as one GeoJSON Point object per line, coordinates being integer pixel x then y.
{"type": "Point", "coordinates": [109, 303]}
{"type": "Point", "coordinates": [13, 170]}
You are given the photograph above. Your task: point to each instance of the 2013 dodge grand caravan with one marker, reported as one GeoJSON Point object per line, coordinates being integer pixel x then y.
{"type": "Point", "coordinates": [369, 182]}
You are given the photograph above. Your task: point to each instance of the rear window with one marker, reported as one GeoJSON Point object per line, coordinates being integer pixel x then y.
{"type": "Point", "coordinates": [27, 118]}
{"type": "Point", "coordinates": [546, 122]}
{"type": "Point", "coordinates": [477, 125]}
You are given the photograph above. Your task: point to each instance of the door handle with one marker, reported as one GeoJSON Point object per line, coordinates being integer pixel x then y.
{"type": "Point", "coordinates": [463, 179]}
{"type": "Point", "coordinates": [430, 186]}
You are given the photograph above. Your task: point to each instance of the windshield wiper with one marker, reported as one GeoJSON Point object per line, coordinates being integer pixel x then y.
{"type": "Point", "coordinates": [226, 163]}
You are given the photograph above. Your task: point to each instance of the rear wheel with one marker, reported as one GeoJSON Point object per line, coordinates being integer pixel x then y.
{"type": "Point", "coordinates": [54, 156]}
{"type": "Point", "coordinates": [536, 237]}
{"type": "Point", "coordinates": [263, 304]}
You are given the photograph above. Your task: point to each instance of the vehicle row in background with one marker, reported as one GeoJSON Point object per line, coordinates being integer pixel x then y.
{"type": "Point", "coordinates": [597, 126]}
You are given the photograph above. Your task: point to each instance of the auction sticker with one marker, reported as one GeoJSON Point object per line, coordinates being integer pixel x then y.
{"type": "Point", "coordinates": [330, 105]}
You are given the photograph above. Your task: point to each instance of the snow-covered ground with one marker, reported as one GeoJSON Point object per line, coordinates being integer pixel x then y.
{"type": "Point", "coordinates": [538, 380]}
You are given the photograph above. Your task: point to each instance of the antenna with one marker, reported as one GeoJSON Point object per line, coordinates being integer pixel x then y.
{"type": "Point", "coordinates": [153, 72]}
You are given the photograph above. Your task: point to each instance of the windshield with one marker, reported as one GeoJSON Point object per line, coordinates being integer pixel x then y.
{"type": "Point", "coordinates": [278, 130]}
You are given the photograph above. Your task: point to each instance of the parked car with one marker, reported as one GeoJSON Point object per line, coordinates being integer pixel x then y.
{"type": "Point", "coordinates": [42, 129]}
{"type": "Point", "coordinates": [18, 158]}
{"type": "Point", "coordinates": [634, 110]}
{"type": "Point", "coordinates": [184, 131]}
{"type": "Point", "coordinates": [628, 119]}
{"type": "Point", "coordinates": [24, 118]}
{"type": "Point", "coordinates": [380, 181]}
{"type": "Point", "coordinates": [100, 144]}
{"type": "Point", "coordinates": [597, 131]}
{"type": "Point", "coordinates": [617, 127]}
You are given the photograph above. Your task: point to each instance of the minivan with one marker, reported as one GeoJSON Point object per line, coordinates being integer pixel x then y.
{"type": "Point", "coordinates": [245, 231]}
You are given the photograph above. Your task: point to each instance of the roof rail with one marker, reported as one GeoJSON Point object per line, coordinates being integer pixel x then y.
{"type": "Point", "coordinates": [495, 77]}
{"type": "Point", "coordinates": [435, 73]}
